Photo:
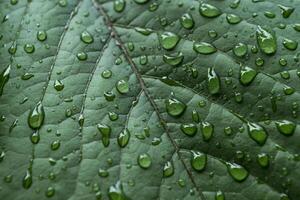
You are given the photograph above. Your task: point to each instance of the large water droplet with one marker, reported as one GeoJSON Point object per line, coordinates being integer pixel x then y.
{"type": "Point", "coordinates": [141, 1]}
{"type": "Point", "coordinates": [168, 40]}
{"type": "Point", "coordinates": [213, 81]}
{"type": "Point", "coordinates": [257, 133]}
{"type": "Point", "coordinates": [4, 77]}
{"type": "Point", "coordinates": [175, 107]}
{"type": "Point", "coordinates": [247, 75]}
{"type": "Point", "coordinates": [189, 129]}
{"type": "Point", "coordinates": [198, 161]}
{"type": "Point", "coordinates": [123, 138]}
{"type": "Point", "coordinates": [204, 48]}
{"type": "Point", "coordinates": [266, 40]}
{"type": "Point", "coordinates": [208, 10]}
{"type": "Point", "coordinates": [105, 131]}
{"type": "Point", "coordinates": [237, 172]}
{"type": "Point", "coordinates": [173, 59]}
{"type": "Point", "coordinates": [286, 127]}
{"type": "Point", "coordinates": [144, 160]}
{"type": "Point", "coordinates": [36, 116]}
{"type": "Point", "coordinates": [207, 130]}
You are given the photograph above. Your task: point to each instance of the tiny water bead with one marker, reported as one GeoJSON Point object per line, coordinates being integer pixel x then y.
{"type": "Point", "coordinates": [106, 74]}
{"type": "Point", "coordinates": [105, 131]}
{"type": "Point", "coordinates": [286, 127]}
{"type": "Point", "coordinates": [86, 37]}
{"type": "Point", "coordinates": [266, 40]}
{"type": "Point", "coordinates": [187, 21]}
{"type": "Point", "coordinates": [168, 40]}
{"type": "Point", "coordinates": [263, 160]}
{"type": "Point", "coordinates": [233, 19]}
{"type": "Point", "coordinates": [144, 160]}
{"type": "Point", "coordinates": [198, 161]}
{"type": "Point", "coordinates": [247, 75]}
{"type": "Point", "coordinates": [257, 133]}
{"type": "Point", "coordinates": [237, 172]}
{"type": "Point", "coordinates": [29, 48]}
{"type": "Point", "coordinates": [41, 35]}
{"type": "Point", "coordinates": [4, 77]}
{"type": "Point", "coordinates": [173, 59]}
{"type": "Point", "coordinates": [123, 138]}
{"type": "Point", "coordinates": [213, 81]}
{"type": "Point", "coordinates": [119, 5]}
{"type": "Point", "coordinates": [207, 130]}
{"type": "Point", "coordinates": [82, 56]}
{"type": "Point", "coordinates": [58, 85]}
{"type": "Point", "coordinates": [168, 169]}
{"type": "Point", "coordinates": [175, 107]}
{"type": "Point", "coordinates": [36, 116]}
{"type": "Point", "coordinates": [122, 86]}
{"type": "Point", "coordinates": [204, 48]}
{"type": "Point", "coordinates": [189, 129]}
{"type": "Point", "coordinates": [240, 50]}
{"type": "Point", "coordinates": [208, 10]}
{"type": "Point", "coordinates": [290, 44]}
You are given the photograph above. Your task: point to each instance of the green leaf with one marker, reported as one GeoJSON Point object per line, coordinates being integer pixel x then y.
{"type": "Point", "coordinates": [149, 99]}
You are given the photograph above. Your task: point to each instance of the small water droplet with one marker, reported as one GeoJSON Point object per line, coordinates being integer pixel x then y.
{"type": "Point", "coordinates": [187, 21]}
{"type": "Point", "coordinates": [173, 59]}
{"type": "Point", "coordinates": [189, 129]}
{"type": "Point", "coordinates": [257, 133]}
{"type": "Point", "coordinates": [116, 192]}
{"type": "Point", "coordinates": [208, 10]}
{"type": "Point", "coordinates": [29, 48]}
{"type": "Point", "coordinates": [168, 40]}
{"type": "Point", "coordinates": [286, 127]}
{"type": "Point", "coordinates": [237, 172]}
{"type": "Point", "coordinates": [123, 138]}
{"type": "Point", "coordinates": [286, 11]}
{"type": "Point", "coordinates": [35, 137]}
{"type": "Point", "coordinates": [27, 76]}
{"type": "Point", "coordinates": [168, 169]}
{"type": "Point", "coordinates": [247, 75]}
{"type": "Point", "coordinates": [141, 1]}
{"type": "Point", "coordinates": [50, 192]}
{"type": "Point", "coordinates": [106, 74]}
{"type": "Point", "coordinates": [41, 35]}
{"type": "Point", "coordinates": [58, 85]}
{"type": "Point", "coordinates": [81, 56]}
{"type": "Point", "coordinates": [240, 50]}
{"type": "Point", "coordinates": [55, 145]}
{"type": "Point", "coordinates": [198, 161]}
{"type": "Point", "coordinates": [207, 130]}
{"type": "Point", "coordinates": [27, 179]}
{"type": "Point", "coordinates": [266, 40]}
{"type": "Point", "coordinates": [86, 37]}
{"type": "Point", "coordinates": [204, 48]}
{"type": "Point", "coordinates": [103, 173]}
{"type": "Point", "coordinates": [263, 160]}
{"type": "Point", "coordinates": [119, 5]}
{"type": "Point", "coordinates": [175, 107]}
{"type": "Point", "coordinates": [290, 44]}
{"type": "Point", "coordinates": [36, 116]}
{"type": "Point", "coordinates": [122, 86]}
{"type": "Point", "coordinates": [233, 19]}
{"type": "Point", "coordinates": [219, 195]}
{"type": "Point", "coordinates": [144, 160]}
{"type": "Point", "coordinates": [213, 81]}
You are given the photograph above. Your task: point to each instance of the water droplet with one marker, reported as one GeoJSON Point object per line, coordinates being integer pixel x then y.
{"type": "Point", "coordinates": [36, 116]}
{"type": "Point", "coordinates": [155, 141]}
{"type": "Point", "coordinates": [247, 75]}
{"type": "Point", "coordinates": [240, 50]}
{"type": "Point", "coordinates": [212, 33]}
{"type": "Point", "coordinates": [35, 137]}
{"type": "Point", "coordinates": [106, 74]}
{"type": "Point", "coordinates": [58, 85]}
{"type": "Point", "coordinates": [41, 35]}
{"type": "Point", "coordinates": [13, 2]}
{"type": "Point", "coordinates": [207, 130]}
{"type": "Point", "coordinates": [195, 116]}
{"type": "Point", "coordinates": [144, 160]}
{"type": "Point", "coordinates": [286, 127]}
{"type": "Point", "coordinates": [173, 59]}
{"type": "Point", "coordinates": [168, 40]}
{"type": "Point", "coordinates": [286, 11]}
{"type": "Point", "coordinates": [123, 138]}
{"type": "Point", "coordinates": [168, 169]}
{"type": "Point", "coordinates": [81, 56]}
{"type": "Point", "coordinates": [266, 41]}
{"type": "Point", "coordinates": [27, 179]}
{"type": "Point", "coordinates": [2, 155]}
{"type": "Point", "coordinates": [103, 173]}
{"type": "Point", "coordinates": [141, 1]}
{"type": "Point", "coordinates": [113, 116]}
{"type": "Point", "coordinates": [198, 161]}
{"type": "Point", "coordinates": [213, 81]}
{"type": "Point", "coordinates": [119, 5]}
{"type": "Point", "coordinates": [62, 3]}
{"type": "Point", "coordinates": [263, 160]}
{"type": "Point", "coordinates": [29, 48]}
{"type": "Point", "coordinates": [81, 120]}
{"type": "Point", "coordinates": [122, 86]}
{"type": "Point", "coordinates": [189, 129]}
{"type": "Point", "coordinates": [55, 145]}
{"type": "Point", "coordinates": [13, 48]}
{"type": "Point", "coordinates": [219, 195]}
{"type": "Point", "coordinates": [204, 48]}
{"type": "Point", "coordinates": [233, 19]}
{"type": "Point", "coordinates": [116, 191]}
{"type": "Point", "coordinates": [144, 31]}
{"type": "Point", "coordinates": [175, 107]}
{"type": "Point", "coordinates": [290, 44]}
{"type": "Point", "coordinates": [187, 21]}
{"type": "Point", "coordinates": [257, 133]}
{"type": "Point", "coordinates": [237, 172]}
{"type": "Point", "coordinates": [50, 192]}
{"type": "Point", "coordinates": [270, 15]}
{"type": "Point", "coordinates": [4, 77]}
{"type": "Point", "coordinates": [27, 76]}
{"type": "Point", "coordinates": [86, 37]}
{"type": "Point", "coordinates": [208, 10]}
{"type": "Point", "coordinates": [143, 60]}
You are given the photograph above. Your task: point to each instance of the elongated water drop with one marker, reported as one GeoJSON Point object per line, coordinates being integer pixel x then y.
{"type": "Point", "coordinates": [168, 169]}
{"type": "Point", "coordinates": [257, 133]}
{"type": "Point", "coordinates": [286, 11]}
{"type": "Point", "coordinates": [204, 48]}
{"type": "Point", "coordinates": [189, 129]}
{"type": "Point", "coordinates": [208, 10]}
{"type": "Point", "coordinates": [237, 172]}
{"type": "Point", "coordinates": [105, 131]}
{"type": "Point", "coordinates": [290, 44]}
{"type": "Point", "coordinates": [207, 130]}
{"type": "Point", "coordinates": [123, 138]}
{"type": "Point", "coordinates": [144, 160]}
{"type": "Point", "coordinates": [213, 81]}
{"type": "Point", "coordinates": [4, 77]}
{"type": "Point", "coordinates": [247, 75]}
{"type": "Point", "coordinates": [187, 21]}
{"type": "Point", "coordinates": [286, 127]}
{"type": "Point", "coordinates": [168, 40]}
{"type": "Point", "coordinates": [27, 179]}
{"type": "Point", "coordinates": [173, 59]}
{"type": "Point", "coordinates": [27, 76]}
{"type": "Point", "coordinates": [175, 107]}
{"type": "Point", "coordinates": [266, 40]}
{"type": "Point", "coordinates": [36, 116]}
{"type": "Point", "coordinates": [198, 161]}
